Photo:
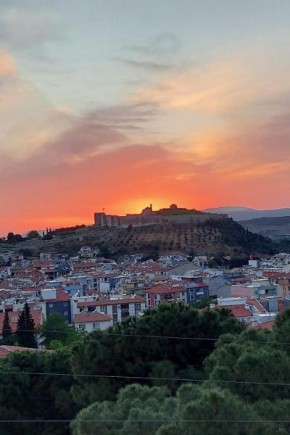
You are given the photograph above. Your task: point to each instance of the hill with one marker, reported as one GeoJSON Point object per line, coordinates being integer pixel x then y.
{"type": "Point", "coordinates": [244, 213]}
{"type": "Point", "coordinates": [218, 237]}
{"type": "Point", "coordinates": [276, 228]}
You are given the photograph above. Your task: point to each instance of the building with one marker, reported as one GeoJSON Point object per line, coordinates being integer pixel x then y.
{"type": "Point", "coordinates": [249, 311]}
{"type": "Point", "coordinates": [118, 308]}
{"type": "Point", "coordinates": [173, 214]}
{"type": "Point", "coordinates": [92, 321]}
{"type": "Point", "coordinates": [161, 293]}
{"type": "Point", "coordinates": [57, 302]}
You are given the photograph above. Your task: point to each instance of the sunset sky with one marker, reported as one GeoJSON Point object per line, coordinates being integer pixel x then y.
{"type": "Point", "coordinates": [116, 104]}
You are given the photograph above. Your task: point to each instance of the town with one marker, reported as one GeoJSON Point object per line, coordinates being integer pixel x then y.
{"type": "Point", "coordinates": [94, 293]}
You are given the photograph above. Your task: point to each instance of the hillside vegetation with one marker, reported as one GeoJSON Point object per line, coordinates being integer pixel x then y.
{"type": "Point", "coordinates": [213, 237]}
{"type": "Point", "coordinates": [274, 227]}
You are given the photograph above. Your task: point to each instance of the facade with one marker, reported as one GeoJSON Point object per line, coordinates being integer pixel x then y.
{"type": "Point", "coordinates": [162, 293]}
{"type": "Point", "coordinates": [93, 321]}
{"type": "Point", "coordinates": [117, 308]}
{"type": "Point", "coordinates": [189, 290]}
{"type": "Point", "coordinates": [57, 302]}
{"type": "Point", "coordinates": [196, 291]}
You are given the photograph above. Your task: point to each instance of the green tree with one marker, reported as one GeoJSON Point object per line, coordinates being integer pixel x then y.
{"type": "Point", "coordinates": [47, 236]}
{"type": "Point", "coordinates": [26, 396]}
{"type": "Point", "coordinates": [25, 332]}
{"type": "Point", "coordinates": [33, 234]}
{"type": "Point", "coordinates": [282, 328]}
{"type": "Point", "coordinates": [194, 410]}
{"type": "Point", "coordinates": [254, 363]}
{"type": "Point", "coordinates": [56, 332]}
{"type": "Point", "coordinates": [6, 330]}
{"type": "Point", "coordinates": [127, 350]}
{"type": "Point", "coordinates": [10, 237]}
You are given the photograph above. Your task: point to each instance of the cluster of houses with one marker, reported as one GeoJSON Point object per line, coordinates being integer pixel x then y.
{"type": "Point", "coordinates": [95, 293]}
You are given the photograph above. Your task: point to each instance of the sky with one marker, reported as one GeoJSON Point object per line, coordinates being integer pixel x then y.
{"type": "Point", "coordinates": [109, 104]}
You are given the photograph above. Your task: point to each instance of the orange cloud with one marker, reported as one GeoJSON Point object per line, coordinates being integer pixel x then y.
{"type": "Point", "coordinates": [229, 83]}
{"type": "Point", "coordinates": [7, 66]}
{"type": "Point", "coordinates": [61, 168]}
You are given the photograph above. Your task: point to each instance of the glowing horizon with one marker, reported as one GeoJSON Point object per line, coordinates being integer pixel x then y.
{"type": "Point", "coordinates": [101, 110]}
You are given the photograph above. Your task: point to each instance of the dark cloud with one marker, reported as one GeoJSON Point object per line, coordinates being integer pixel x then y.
{"type": "Point", "coordinates": [97, 131]}
{"type": "Point", "coordinates": [147, 65]}
{"type": "Point", "coordinates": [154, 56]}
{"type": "Point", "coordinates": [164, 44]}
{"type": "Point", "coordinates": [121, 115]}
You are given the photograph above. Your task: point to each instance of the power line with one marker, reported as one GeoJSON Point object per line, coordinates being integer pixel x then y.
{"type": "Point", "coordinates": [154, 378]}
{"type": "Point", "coordinates": [211, 339]}
{"type": "Point", "coordinates": [148, 421]}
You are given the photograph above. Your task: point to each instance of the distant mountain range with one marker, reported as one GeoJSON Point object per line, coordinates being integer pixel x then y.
{"type": "Point", "coordinates": [245, 213]}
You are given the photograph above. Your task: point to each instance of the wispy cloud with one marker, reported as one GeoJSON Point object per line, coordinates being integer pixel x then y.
{"type": "Point", "coordinates": [162, 44]}
{"type": "Point", "coordinates": [147, 65]}
{"type": "Point", "coordinates": [222, 85]}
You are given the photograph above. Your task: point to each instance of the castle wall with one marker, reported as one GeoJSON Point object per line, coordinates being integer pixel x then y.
{"type": "Point", "coordinates": [101, 219]}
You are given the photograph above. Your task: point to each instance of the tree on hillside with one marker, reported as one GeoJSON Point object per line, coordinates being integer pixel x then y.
{"type": "Point", "coordinates": [25, 332]}
{"type": "Point", "coordinates": [14, 238]}
{"type": "Point", "coordinates": [47, 236]}
{"type": "Point", "coordinates": [6, 329]}
{"type": "Point", "coordinates": [33, 234]}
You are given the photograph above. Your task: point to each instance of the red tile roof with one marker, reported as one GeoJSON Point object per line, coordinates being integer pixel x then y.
{"type": "Point", "coordinates": [42, 263]}
{"type": "Point", "coordinates": [266, 325]}
{"type": "Point", "coordinates": [239, 310]}
{"type": "Point", "coordinates": [136, 300]}
{"type": "Point", "coordinates": [60, 297]}
{"type": "Point", "coordinates": [277, 275]}
{"type": "Point", "coordinates": [257, 305]}
{"type": "Point", "coordinates": [164, 288]}
{"type": "Point", "coordinates": [91, 317]}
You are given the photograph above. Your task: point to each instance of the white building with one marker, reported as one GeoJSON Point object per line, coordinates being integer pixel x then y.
{"type": "Point", "coordinates": [118, 308]}
{"type": "Point", "coordinates": [93, 321]}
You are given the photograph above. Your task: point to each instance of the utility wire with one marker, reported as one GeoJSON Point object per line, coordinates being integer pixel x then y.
{"type": "Point", "coordinates": [149, 421]}
{"type": "Point", "coordinates": [154, 378]}
{"type": "Point", "coordinates": [106, 334]}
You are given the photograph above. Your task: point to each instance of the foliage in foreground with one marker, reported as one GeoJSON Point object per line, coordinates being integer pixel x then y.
{"type": "Point", "coordinates": [242, 378]}
{"type": "Point", "coordinates": [194, 410]}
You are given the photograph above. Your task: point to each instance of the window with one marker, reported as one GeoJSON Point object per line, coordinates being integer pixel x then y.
{"type": "Point", "coordinates": [103, 309]}
{"type": "Point", "coordinates": [82, 326]}
{"type": "Point", "coordinates": [50, 305]}
{"type": "Point", "coordinates": [96, 326]}
{"type": "Point", "coordinates": [65, 313]}
{"type": "Point", "coordinates": [66, 304]}
{"type": "Point", "coordinates": [137, 307]}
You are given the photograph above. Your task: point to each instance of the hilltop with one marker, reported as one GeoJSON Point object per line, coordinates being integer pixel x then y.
{"type": "Point", "coordinates": [211, 237]}
{"type": "Point", "coordinates": [274, 227]}
{"type": "Point", "coordinates": [245, 213]}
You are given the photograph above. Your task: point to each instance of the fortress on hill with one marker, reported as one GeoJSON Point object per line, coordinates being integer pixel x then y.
{"type": "Point", "coordinates": [148, 216]}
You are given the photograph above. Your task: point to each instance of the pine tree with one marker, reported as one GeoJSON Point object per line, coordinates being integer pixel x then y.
{"type": "Point", "coordinates": [25, 332]}
{"type": "Point", "coordinates": [6, 330]}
